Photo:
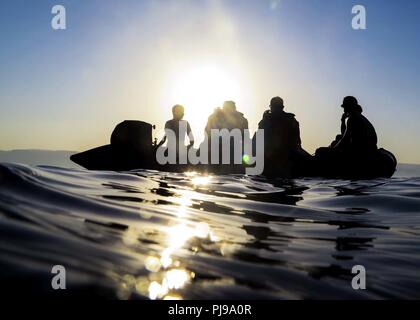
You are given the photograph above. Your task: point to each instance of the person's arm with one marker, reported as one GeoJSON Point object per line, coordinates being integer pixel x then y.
{"type": "Point", "coordinates": [190, 134]}
{"type": "Point", "coordinates": [162, 141]}
{"type": "Point", "coordinates": [245, 127]}
{"type": "Point", "coordinates": [346, 139]}
{"type": "Point", "coordinates": [263, 123]}
{"type": "Point", "coordinates": [208, 127]}
{"type": "Point", "coordinates": [343, 123]}
{"type": "Point", "coordinates": [164, 136]}
{"type": "Point", "coordinates": [297, 133]}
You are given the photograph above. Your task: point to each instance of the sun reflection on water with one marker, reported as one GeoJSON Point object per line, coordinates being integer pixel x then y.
{"type": "Point", "coordinates": [167, 275]}
{"type": "Point", "coordinates": [175, 278]}
{"type": "Point", "coordinates": [201, 180]}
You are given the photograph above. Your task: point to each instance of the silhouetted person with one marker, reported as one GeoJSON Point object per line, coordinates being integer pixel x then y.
{"type": "Point", "coordinates": [283, 152]}
{"type": "Point", "coordinates": [359, 135]}
{"type": "Point", "coordinates": [227, 118]}
{"type": "Point", "coordinates": [181, 129]}
{"type": "Point", "coordinates": [357, 142]}
{"type": "Point", "coordinates": [215, 121]}
{"type": "Point", "coordinates": [342, 130]}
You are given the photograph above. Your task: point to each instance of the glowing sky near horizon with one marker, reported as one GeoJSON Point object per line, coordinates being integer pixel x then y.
{"type": "Point", "coordinates": [135, 59]}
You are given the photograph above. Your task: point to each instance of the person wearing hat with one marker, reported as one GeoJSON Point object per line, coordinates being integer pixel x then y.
{"type": "Point", "coordinates": [282, 143]}
{"type": "Point", "coordinates": [354, 147]}
{"type": "Point", "coordinates": [358, 133]}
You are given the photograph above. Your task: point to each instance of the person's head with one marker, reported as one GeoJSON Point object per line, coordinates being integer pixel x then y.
{"type": "Point", "coordinates": [229, 106]}
{"type": "Point", "coordinates": [178, 112]}
{"type": "Point", "coordinates": [351, 105]}
{"type": "Point", "coordinates": [276, 104]}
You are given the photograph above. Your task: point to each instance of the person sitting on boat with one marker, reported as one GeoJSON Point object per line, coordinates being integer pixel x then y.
{"type": "Point", "coordinates": [282, 143]}
{"type": "Point", "coordinates": [179, 129]}
{"type": "Point", "coordinates": [359, 135]}
{"type": "Point", "coordinates": [357, 143]}
{"type": "Point", "coordinates": [228, 118]}
{"type": "Point", "coordinates": [338, 137]}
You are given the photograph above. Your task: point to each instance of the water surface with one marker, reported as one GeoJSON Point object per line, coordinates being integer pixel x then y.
{"type": "Point", "coordinates": [148, 234]}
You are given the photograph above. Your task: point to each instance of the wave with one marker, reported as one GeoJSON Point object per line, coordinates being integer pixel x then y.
{"type": "Point", "coordinates": [155, 235]}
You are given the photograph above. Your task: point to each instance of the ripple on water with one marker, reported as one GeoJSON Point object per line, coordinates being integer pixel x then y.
{"type": "Point", "coordinates": [148, 234]}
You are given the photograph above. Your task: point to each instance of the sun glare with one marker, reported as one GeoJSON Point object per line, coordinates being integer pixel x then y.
{"type": "Point", "coordinates": [201, 89]}
{"type": "Point", "coordinates": [205, 88]}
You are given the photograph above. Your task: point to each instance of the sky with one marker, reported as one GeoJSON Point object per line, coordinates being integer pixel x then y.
{"type": "Point", "coordinates": [132, 59]}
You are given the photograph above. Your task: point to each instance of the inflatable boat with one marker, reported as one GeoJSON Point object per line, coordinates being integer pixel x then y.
{"type": "Point", "coordinates": [132, 147]}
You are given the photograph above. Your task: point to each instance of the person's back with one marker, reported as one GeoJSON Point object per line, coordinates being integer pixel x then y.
{"type": "Point", "coordinates": [181, 128]}
{"type": "Point", "coordinates": [283, 153]}
{"type": "Point", "coordinates": [227, 118]}
{"type": "Point", "coordinates": [215, 121]}
{"type": "Point", "coordinates": [233, 119]}
{"type": "Point", "coordinates": [362, 133]}
{"type": "Point", "coordinates": [176, 131]}
{"type": "Point", "coordinates": [281, 129]}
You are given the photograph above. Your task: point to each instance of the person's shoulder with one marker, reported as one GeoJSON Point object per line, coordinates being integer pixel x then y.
{"type": "Point", "coordinates": [171, 123]}
{"type": "Point", "coordinates": [265, 118]}
{"type": "Point", "coordinates": [363, 117]}
{"type": "Point", "coordinates": [240, 115]}
{"type": "Point", "coordinates": [290, 115]}
{"type": "Point", "coordinates": [216, 112]}
{"type": "Point", "coordinates": [267, 115]}
{"type": "Point", "coordinates": [354, 118]}
{"type": "Point", "coordinates": [184, 123]}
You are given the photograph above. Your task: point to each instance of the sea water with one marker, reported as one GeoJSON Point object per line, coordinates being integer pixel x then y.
{"type": "Point", "coordinates": [155, 235]}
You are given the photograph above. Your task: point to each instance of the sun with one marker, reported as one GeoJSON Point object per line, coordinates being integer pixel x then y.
{"type": "Point", "coordinates": [205, 87]}
{"type": "Point", "coordinates": [201, 89]}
